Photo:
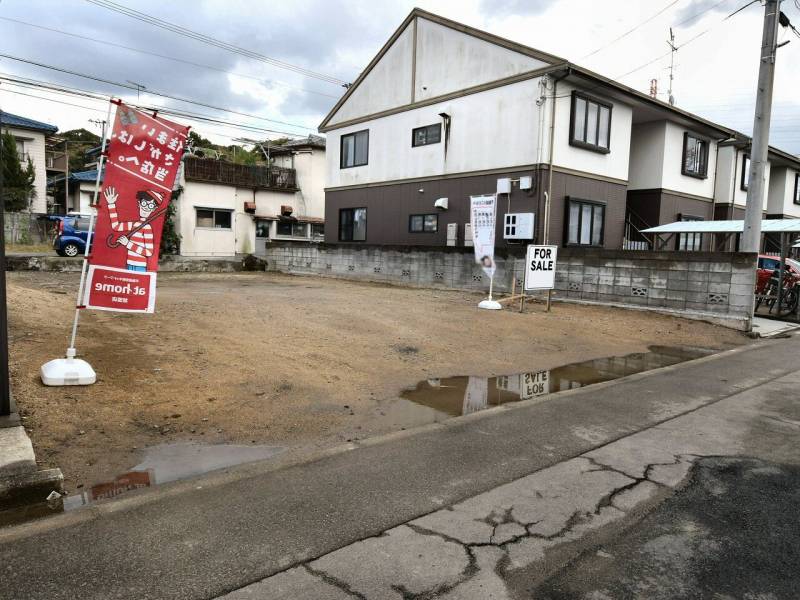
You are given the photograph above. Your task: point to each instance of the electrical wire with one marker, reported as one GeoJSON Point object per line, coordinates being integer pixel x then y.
{"type": "Point", "coordinates": [164, 56]}
{"type": "Point", "coordinates": [149, 91]}
{"type": "Point", "coordinates": [206, 39]}
{"type": "Point", "coordinates": [627, 33]}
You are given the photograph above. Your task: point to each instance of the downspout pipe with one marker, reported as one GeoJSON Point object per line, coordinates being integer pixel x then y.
{"type": "Point", "coordinates": [549, 192]}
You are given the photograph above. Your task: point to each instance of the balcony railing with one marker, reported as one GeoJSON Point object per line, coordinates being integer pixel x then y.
{"type": "Point", "coordinates": [252, 176]}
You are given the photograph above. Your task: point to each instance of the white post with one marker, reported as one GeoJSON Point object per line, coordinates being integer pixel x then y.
{"type": "Point", "coordinates": [71, 370]}
{"type": "Point", "coordinates": [90, 233]}
{"type": "Point", "coordinates": [491, 283]}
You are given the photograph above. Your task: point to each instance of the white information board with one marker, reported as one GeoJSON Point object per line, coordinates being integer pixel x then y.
{"type": "Point", "coordinates": [540, 267]}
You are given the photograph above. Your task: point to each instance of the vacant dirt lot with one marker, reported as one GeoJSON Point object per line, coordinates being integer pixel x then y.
{"type": "Point", "coordinates": [275, 359]}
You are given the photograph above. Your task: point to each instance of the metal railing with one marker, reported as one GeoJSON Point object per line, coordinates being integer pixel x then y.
{"type": "Point", "coordinates": [252, 176]}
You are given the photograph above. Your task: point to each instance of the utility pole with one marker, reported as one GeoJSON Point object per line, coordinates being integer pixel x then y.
{"type": "Point", "coordinates": [673, 49]}
{"type": "Point", "coordinates": [5, 384]}
{"type": "Point", "coordinates": [751, 238]}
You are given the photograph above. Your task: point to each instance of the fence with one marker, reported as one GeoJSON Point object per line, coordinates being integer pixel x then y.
{"type": "Point", "coordinates": [248, 176]}
{"type": "Point", "coordinates": [712, 286]}
{"type": "Point", "coordinates": [25, 228]}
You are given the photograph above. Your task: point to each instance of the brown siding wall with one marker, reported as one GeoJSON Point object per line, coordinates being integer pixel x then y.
{"type": "Point", "coordinates": [389, 206]}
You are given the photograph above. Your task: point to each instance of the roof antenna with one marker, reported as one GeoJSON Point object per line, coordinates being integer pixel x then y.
{"type": "Point", "coordinates": [674, 49]}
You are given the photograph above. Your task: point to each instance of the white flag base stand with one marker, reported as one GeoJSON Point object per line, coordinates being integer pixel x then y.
{"type": "Point", "coordinates": [68, 371]}
{"type": "Point", "coordinates": [490, 305]}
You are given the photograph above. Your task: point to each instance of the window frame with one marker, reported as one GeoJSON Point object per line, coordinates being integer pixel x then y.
{"type": "Point", "coordinates": [414, 131]}
{"type": "Point", "coordinates": [214, 212]}
{"type": "Point", "coordinates": [745, 169]}
{"type": "Point", "coordinates": [573, 141]}
{"type": "Point", "coordinates": [352, 210]}
{"type": "Point", "coordinates": [568, 201]}
{"type": "Point", "coordinates": [423, 230]}
{"type": "Point", "coordinates": [687, 236]}
{"type": "Point", "coordinates": [292, 225]}
{"type": "Point", "coordinates": [352, 134]}
{"type": "Point", "coordinates": [706, 147]}
{"type": "Point", "coordinates": [796, 197]}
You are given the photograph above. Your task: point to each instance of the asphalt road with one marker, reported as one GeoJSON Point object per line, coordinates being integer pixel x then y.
{"type": "Point", "coordinates": [205, 537]}
{"type": "Point", "coordinates": [731, 533]}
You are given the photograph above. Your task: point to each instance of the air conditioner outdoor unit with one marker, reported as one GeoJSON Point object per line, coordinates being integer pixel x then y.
{"type": "Point", "coordinates": [518, 226]}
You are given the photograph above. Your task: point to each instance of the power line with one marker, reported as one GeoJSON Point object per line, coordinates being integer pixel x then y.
{"type": "Point", "coordinates": [618, 38]}
{"type": "Point", "coordinates": [173, 58]}
{"type": "Point", "coordinates": [206, 39]}
{"type": "Point", "coordinates": [53, 88]}
{"type": "Point", "coordinates": [149, 91]}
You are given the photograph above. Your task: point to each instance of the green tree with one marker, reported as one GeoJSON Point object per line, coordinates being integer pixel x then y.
{"type": "Point", "coordinates": [18, 180]}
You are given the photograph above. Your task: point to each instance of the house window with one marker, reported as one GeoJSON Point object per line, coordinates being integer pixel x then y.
{"type": "Point", "coordinates": [262, 228]}
{"type": "Point", "coordinates": [585, 223]}
{"type": "Point", "coordinates": [423, 223]}
{"type": "Point", "coordinates": [353, 224]}
{"type": "Point", "coordinates": [797, 188]}
{"type": "Point", "coordinates": [745, 172]}
{"type": "Point", "coordinates": [355, 149]}
{"type": "Point", "coordinates": [690, 242]}
{"type": "Point", "coordinates": [292, 229]}
{"type": "Point", "coordinates": [209, 218]}
{"type": "Point", "coordinates": [430, 134]}
{"type": "Point", "coordinates": [317, 231]}
{"type": "Point", "coordinates": [695, 156]}
{"type": "Point", "coordinates": [590, 123]}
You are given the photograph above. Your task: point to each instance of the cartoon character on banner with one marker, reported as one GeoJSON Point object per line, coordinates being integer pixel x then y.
{"type": "Point", "coordinates": [137, 236]}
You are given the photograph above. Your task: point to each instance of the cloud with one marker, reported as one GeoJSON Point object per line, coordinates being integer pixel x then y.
{"type": "Point", "coordinates": [699, 9]}
{"type": "Point", "coordinates": [503, 8]}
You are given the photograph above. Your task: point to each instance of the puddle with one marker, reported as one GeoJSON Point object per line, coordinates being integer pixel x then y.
{"type": "Point", "coordinates": [462, 395]}
{"type": "Point", "coordinates": [170, 462]}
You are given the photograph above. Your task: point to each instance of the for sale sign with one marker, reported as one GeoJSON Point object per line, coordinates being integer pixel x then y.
{"type": "Point", "coordinates": [534, 384]}
{"type": "Point", "coordinates": [540, 267]}
{"type": "Point", "coordinates": [142, 160]}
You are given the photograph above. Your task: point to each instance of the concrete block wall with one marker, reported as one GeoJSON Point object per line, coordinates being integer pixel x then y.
{"type": "Point", "coordinates": [713, 286]}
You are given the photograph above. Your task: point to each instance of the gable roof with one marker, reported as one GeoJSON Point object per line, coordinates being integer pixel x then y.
{"type": "Point", "coordinates": [19, 122]}
{"type": "Point", "coordinates": [312, 141]}
{"type": "Point", "coordinates": [455, 25]}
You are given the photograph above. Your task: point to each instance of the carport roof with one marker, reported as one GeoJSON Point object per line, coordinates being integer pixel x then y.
{"type": "Point", "coordinates": [767, 226]}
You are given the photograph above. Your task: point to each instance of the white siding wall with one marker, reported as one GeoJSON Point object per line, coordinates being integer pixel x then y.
{"type": "Point", "coordinates": [201, 241]}
{"type": "Point", "coordinates": [387, 86]}
{"type": "Point", "coordinates": [646, 168]}
{"type": "Point", "coordinates": [615, 163]}
{"type": "Point", "coordinates": [493, 129]}
{"type": "Point", "coordinates": [729, 178]}
{"type": "Point", "coordinates": [673, 179]}
{"type": "Point", "coordinates": [34, 147]}
{"type": "Point", "coordinates": [448, 61]}
{"type": "Point", "coordinates": [781, 192]}
{"type": "Point", "coordinates": [310, 167]}
{"type": "Point", "coordinates": [740, 195]}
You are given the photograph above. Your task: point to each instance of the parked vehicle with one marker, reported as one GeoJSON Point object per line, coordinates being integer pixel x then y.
{"type": "Point", "coordinates": [768, 288]}
{"type": "Point", "coordinates": [73, 232]}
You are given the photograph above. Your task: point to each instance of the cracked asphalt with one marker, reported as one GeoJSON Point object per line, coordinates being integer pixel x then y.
{"type": "Point", "coordinates": [500, 504]}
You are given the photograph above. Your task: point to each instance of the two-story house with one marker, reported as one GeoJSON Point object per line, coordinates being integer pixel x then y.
{"type": "Point", "coordinates": [445, 111]}
{"type": "Point", "coordinates": [30, 137]}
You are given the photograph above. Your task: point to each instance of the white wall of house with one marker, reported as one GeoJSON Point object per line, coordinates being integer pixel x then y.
{"type": "Point", "coordinates": [33, 146]}
{"type": "Point", "coordinates": [728, 186]}
{"type": "Point", "coordinates": [496, 128]}
{"type": "Point", "coordinates": [470, 61]}
{"type": "Point", "coordinates": [310, 168]}
{"type": "Point", "coordinates": [646, 167]}
{"type": "Point", "coordinates": [615, 163]}
{"type": "Point", "coordinates": [781, 192]}
{"type": "Point", "coordinates": [672, 177]}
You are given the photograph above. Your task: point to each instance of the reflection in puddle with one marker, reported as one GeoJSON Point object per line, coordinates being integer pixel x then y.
{"type": "Point", "coordinates": [455, 396]}
{"type": "Point", "coordinates": [169, 462]}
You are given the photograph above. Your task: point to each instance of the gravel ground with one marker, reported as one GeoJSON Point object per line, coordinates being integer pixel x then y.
{"type": "Point", "coordinates": [298, 362]}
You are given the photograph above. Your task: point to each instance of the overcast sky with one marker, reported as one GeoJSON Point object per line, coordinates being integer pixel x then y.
{"type": "Point", "coordinates": [715, 74]}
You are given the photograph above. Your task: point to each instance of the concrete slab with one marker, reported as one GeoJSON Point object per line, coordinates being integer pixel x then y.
{"type": "Point", "coordinates": [772, 327]}
{"type": "Point", "coordinates": [16, 452]}
{"type": "Point", "coordinates": [294, 584]}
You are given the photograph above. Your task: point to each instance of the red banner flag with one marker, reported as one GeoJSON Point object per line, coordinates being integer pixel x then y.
{"type": "Point", "coordinates": [143, 157]}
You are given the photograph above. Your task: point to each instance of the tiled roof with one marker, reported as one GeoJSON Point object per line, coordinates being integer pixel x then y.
{"type": "Point", "coordinates": [312, 141]}
{"type": "Point", "coordinates": [12, 120]}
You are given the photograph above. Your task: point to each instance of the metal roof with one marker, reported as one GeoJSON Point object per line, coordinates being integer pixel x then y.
{"type": "Point", "coordinates": [90, 176]}
{"type": "Point", "coordinates": [11, 120]}
{"type": "Point", "coordinates": [767, 226]}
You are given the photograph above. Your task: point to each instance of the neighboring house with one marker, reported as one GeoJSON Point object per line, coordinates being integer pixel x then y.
{"type": "Point", "coordinates": [30, 137]}
{"type": "Point", "coordinates": [227, 209]}
{"type": "Point", "coordinates": [445, 111]}
{"type": "Point", "coordinates": [81, 191]}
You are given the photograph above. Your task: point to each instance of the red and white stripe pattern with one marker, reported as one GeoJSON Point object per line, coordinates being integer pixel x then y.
{"type": "Point", "coordinates": [140, 243]}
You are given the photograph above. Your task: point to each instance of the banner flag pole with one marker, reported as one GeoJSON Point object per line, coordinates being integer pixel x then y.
{"type": "Point", "coordinates": [69, 370]}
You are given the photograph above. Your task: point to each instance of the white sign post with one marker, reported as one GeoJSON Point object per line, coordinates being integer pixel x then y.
{"type": "Point", "coordinates": [482, 218]}
{"type": "Point", "coordinates": [540, 269]}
